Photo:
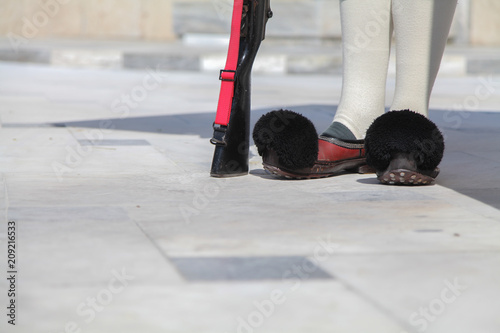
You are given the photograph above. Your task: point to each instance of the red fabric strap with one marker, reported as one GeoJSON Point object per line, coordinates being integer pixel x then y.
{"type": "Point", "coordinates": [228, 74]}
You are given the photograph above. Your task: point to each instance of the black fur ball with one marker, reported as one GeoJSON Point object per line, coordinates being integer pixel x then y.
{"type": "Point", "coordinates": [404, 133]}
{"type": "Point", "coordinates": [291, 135]}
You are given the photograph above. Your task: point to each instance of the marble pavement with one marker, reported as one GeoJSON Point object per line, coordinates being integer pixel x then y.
{"type": "Point", "coordinates": [121, 229]}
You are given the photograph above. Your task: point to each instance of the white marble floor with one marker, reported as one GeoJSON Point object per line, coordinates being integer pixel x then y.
{"type": "Point", "coordinates": [121, 229]}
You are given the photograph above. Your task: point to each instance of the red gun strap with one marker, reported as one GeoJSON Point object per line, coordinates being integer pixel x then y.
{"type": "Point", "coordinates": [228, 75]}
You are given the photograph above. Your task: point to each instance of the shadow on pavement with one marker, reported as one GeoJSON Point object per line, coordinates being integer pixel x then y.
{"type": "Point", "coordinates": [471, 165]}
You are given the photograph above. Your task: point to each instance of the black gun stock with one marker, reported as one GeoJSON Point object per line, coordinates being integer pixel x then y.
{"type": "Point", "coordinates": [232, 141]}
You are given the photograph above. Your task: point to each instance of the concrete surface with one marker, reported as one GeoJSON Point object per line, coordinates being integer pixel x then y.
{"type": "Point", "coordinates": [207, 53]}
{"type": "Point", "coordinates": [121, 229]}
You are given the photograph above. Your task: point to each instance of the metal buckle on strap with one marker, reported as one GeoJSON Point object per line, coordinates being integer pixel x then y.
{"type": "Point", "coordinates": [219, 137]}
{"type": "Point", "coordinates": [230, 76]}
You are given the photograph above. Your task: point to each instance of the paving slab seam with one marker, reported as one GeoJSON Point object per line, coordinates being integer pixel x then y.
{"type": "Point", "coordinates": [380, 307]}
{"type": "Point", "coordinates": [161, 252]}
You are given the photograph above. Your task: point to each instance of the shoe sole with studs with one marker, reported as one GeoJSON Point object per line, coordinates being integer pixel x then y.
{"type": "Point", "coordinates": [406, 177]}
{"type": "Point", "coordinates": [342, 168]}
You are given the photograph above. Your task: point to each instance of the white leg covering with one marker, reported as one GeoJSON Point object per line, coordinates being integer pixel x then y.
{"type": "Point", "coordinates": [421, 29]}
{"type": "Point", "coordinates": [366, 40]}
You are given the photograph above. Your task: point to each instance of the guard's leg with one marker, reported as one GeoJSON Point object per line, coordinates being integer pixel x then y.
{"type": "Point", "coordinates": [404, 147]}
{"type": "Point", "coordinates": [292, 149]}
{"type": "Point", "coordinates": [231, 156]}
{"type": "Point", "coordinates": [421, 30]}
{"type": "Point", "coordinates": [366, 40]}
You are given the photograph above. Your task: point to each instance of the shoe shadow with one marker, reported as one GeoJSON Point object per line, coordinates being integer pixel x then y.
{"type": "Point", "coordinates": [370, 181]}
{"type": "Point", "coordinates": [263, 174]}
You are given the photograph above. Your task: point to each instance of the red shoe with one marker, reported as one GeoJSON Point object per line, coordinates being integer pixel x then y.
{"type": "Point", "coordinates": [334, 157]}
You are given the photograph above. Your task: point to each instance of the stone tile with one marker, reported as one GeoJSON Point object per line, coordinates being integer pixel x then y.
{"type": "Point", "coordinates": [69, 22]}
{"type": "Point", "coordinates": [308, 64]}
{"type": "Point", "coordinates": [316, 306]}
{"type": "Point", "coordinates": [247, 268]}
{"type": "Point", "coordinates": [60, 214]}
{"type": "Point", "coordinates": [165, 62]}
{"type": "Point", "coordinates": [484, 23]}
{"type": "Point", "coordinates": [454, 66]}
{"type": "Point", "coordinates": [10, 13]}
{"type": "Point", "coordinates": [113, 18]}
{"type": "Point", "coordinates": [87, 58]}
{"type": "Point", "coordinates": [265, 63]}
{"type": "Point", "coordinates": [364, 219]}
{"type": "Point", "coordinates": [397, 239]}
{"type": "Point", "coordinates": [30, 56]}
{"type": "Point", "coordinates": [213, 62]}
{"type": "Point", "coordinates": [157, 20]}
{"type": "Point", "coordinates": [54, 19]}
{"type": "Point", "coordinates": [329, 16]}
{"type": "Point", "coordinates": [111, 142]}
{"type": "Point", "coordinates": [74, 246]}
{"type": "Point", "coordinates": [202, 17]}
{"type": "Point", "coordinates": [29, 160]}
{"type": "Point", "coordinates": [272, 64]}
{"type": "Point", "coordinates": [93, 160]}
{"type": "Point", "coordinates": [483, 66]}
{"type": "Point", "coordinates": [388, 249]}
{"type": "Point", "coordinates": [286, 16]}
{"type": "Point", "coordinates": [28, 111]}
{"type": "Point", "coordinates": [441, 298]}
{"type": "Point", "coordinates": [375, 196]}
{"type": "Point", "coordinates": [90, 190]}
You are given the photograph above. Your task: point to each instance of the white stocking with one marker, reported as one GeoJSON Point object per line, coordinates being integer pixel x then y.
{"type": "Point", "coordinates": [421, 30]}
{"type": "Point", "coordinates": [366, 41]}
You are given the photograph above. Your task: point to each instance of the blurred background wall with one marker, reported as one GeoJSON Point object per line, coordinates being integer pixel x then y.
{"type": "Point", "coordinates": [477, 22]}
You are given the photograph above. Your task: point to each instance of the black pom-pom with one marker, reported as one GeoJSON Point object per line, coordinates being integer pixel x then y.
{"type": "Point", "coordinates": [406, 134]}
{"type": "Point", "coordinates": [292, 136]}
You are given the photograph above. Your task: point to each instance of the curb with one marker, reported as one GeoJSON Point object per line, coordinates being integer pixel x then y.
{"type": "Point", "coordinates": [273, 58]}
